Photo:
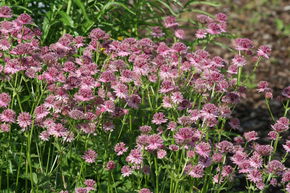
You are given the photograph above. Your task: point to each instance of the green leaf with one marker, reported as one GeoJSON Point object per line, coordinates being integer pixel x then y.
{"type": "Point", "coordinates": [82, 7]}
{"type": "Point", "coordinates": [193, 2]}
{"type": "Point", "coordinates": [66, 19]}
{"type": "Point", "coordinates": [34, 178]}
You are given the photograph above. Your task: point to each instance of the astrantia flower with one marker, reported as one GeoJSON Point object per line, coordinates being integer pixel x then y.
{"type": "Point", "coordinates": [126, 171]}
{"type": "Point", "coordinates": [145, 129]}
{"type": "Point", "coordinates": [24, 120]}
{"type": "Point", "coordinates": [281, 125]}
{"type": "Point", "coordinates": [251, 136]}
{"type": "Point", "coordinates": [4, 99]}
{"type": "Point", "coordinates": [8, 115]}
{"type": "Point", "coordinates": [120, 148]}
{"type": "Point", "coordinates": [110, 165]}
{"type": "Point", "coordinates": [239, 61]}
{"type": "Point", "coordinates": [263, 150]}
{"type": "Point", "coordinates": [287, 146]}
{"type": "Point", "coordinates": [44, 135]}
{"type": "Point", "coordinates": [90, 156]}
{"type": "Point", "coordinates": [203, 149]}
{"type": "Point", "coordinates": [41, 112]}
{"type": "Point", "coordinates": [225, 146]}
{"type": "Point", "coordinates": [84, 94]}
{"type": "Point", "coordinates": [81, 190]}
{"type": "Point", "coordinates": [159, 118]}
{"type": "Point", "coordinates": [286, 92]}
{"type": "Point", "coordinates": [263, 86]}
{"type": "Point", "coordinates": [154, 142]}
{"type": "Point", "coordinates": [243, 44]}
{"type": "Point", "coordinates": [201, 33]}
{"type": "Point", "coordinates": [135, 157]}
{"type": "Point", "coordinates": [24, 19]}
{"type": "Point", "coordinates": [221, 17]}
{"type": "Point", "coordinates": [145, 190]}
{"type": "Point", "coordinates": [90, 184]}
{"type": "Point", "coordinates": [184, 135]}
{"type": "Point", "coordinates": [5, 12]}
{"type": "Point", "coordinates": [264, 51]}
{"type": "Point", "coordinates": [4, 127]}
{"type": "Point", "coordinates": [275, 166]}
{"type": "Point", "coordinates": [286, 176]}
{"type": "Point", "coordinates": [255, 176]}
{"type": "Point", "coordinates": [179, 33]}
{"type": "Point", "coordinates": [161, 153]}
{"type": "Point", "coordinates": [170, 21]}
{"type": "Point", "coordinates": [195, 171]}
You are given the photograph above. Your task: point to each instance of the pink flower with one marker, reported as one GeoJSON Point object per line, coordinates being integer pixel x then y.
{"type": "Point", "coordinates": [264, 51]}
{"type": "Point", "coordinates": [145, 190]}
{"type": "Point", "coordinates": [4, 127]}
{"type": "Point", "coordinates": [255, 176]}
{"type": "Point", "coordinates": [275, 167]}
{"type": "Point", "coordinates": [8, 115]}
{"type": "Point", "coordinates": [179, 33]}
{"type": "Point", "coordinates": [203, 149]}
{"type": "Point", "coordinates": [4, 99]}
{"type": "Point", "coordinates": [287, 146]}
{"type": "Point", "coordinates": [41, 112]}
{"type": "Point", "coordinates": [157, 32]}
{"type": "Point", "coordinates": [90, 184]}
{"type": "Point", "coordinates": [135, 157]}
{"type": "Point", "coordinates": [110, 165]}
{"type": "Point", "coordinates": [170, 21]}
{"type": "Point", "coordinates": [5, 12]}
{"type": "Point", "coordinates": [281, 125]}
{"type": "Point", "coordinates": [90, 156]}
{"type": "Point", "coordinates": [159, 118]}
{"type": "Point", "coordinates": [286, 92]}
{"type": "Point", "coordinates": [263, 86]}
{"type": "Point", "coordinates": [243, 44]}
{"type": "Point", "coordinates": [286, 176]}
{"type": "Point", "coordinates": [263, 150]}
{"type": "Point", "coordinates": [154, 142]}
{"type": "Point", "coordinates": [239, 61]}
{"type": "Point", "coordinates": [145, 129]}
{"type": "Point", "coordinates": [184, 135]}
{"type": "Point", "coordinates": [126, 171]}
{"type": "Point", "coordinates": [251, 136]}
{"type": "Point", "coordinates": [161, 153]}
{"type": "Point", "coordinates": [120, 148]}
{"type": "Point", "coordinates": [24, 120]}
{"type": "Point", "coordinates": [195, 171]}
{"type": "Point", "coordinates": [201, 33]}
{"type": "Point", "coordinates": [225, 146]}
{"type": "Point", "coordinates": [221, 17]}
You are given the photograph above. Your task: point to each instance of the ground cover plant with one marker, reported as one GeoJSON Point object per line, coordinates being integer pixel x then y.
{"type": "Point", "coordinates": [96, 114]}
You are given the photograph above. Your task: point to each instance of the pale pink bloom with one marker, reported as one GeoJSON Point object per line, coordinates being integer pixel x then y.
{"type": "Point", "coordinates": [90, 184]}
{"type": "Point", "coordinates": [126, 171]}
{"type": "Point", "coordinates": [287, 146]}
{"type": "Point", "coordinates": [145, 190]}
{"type": "Point", "coordinates": [179, 33]}
{"type": "Point", "coordinates": [154, 142]}
{"type": "Point", "coordinates": [90, 156]}
{"type": "Point", "coordinates": [24, 120]}
{"type": "Point", "coordinates": [264, 51]}
{"type": "Point", "coordinates": [159, 118]}
{"type": "Point", "coordinates": [286, 176]}
{"type": "Point", "coordinates": [4, 127]}
{"type": "Point", "coordinates": [161, 153]}
{"type": "Point", "coordinates": [201, 33]}
{"type": "Point", "coordinates": [145, 129]}
{"type": "Point", "coordinates": [44, 135]}
{"type": "Point", "coordinates": [263, 150]}
{"type": "Point", "coordinates": [4, 99]}
{"type": "Point", "coordinates": [255, 176]}
{"type": "Point", "coordinates": [135, 157]}
{"type": "Point", "coordinates": [41, 112]}
{"type": "Point", "coordinates": [243, 44]}
{"type": "Point", "coordinates": [5, 12]}
{"type": "Point", "coordinates": [195, 171]}
{"type": "Point", "coordinates": [239, 60]}
{"type": "Point", "coordinates": [251, 136]}
{"type": "Point", "coordinates": [170, 21]}
{"type": "Point", "coordinates": [184, 135]}
{"type": "Point", "coordinates": [8, 115]}
{"type": "Point", "coordinates": [120, 148]}
{"type": "Point", "coordinates": [203, 149]}
{"type": "Point", "coordinates": [110, 165]}
{"type": "Point", "coordinates": [275, 167]}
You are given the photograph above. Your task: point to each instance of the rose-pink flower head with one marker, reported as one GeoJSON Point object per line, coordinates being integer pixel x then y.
{"type": "Point", "coordinates": [90, 156]}
{"type": "Point", "coordinates": [243, 44]}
